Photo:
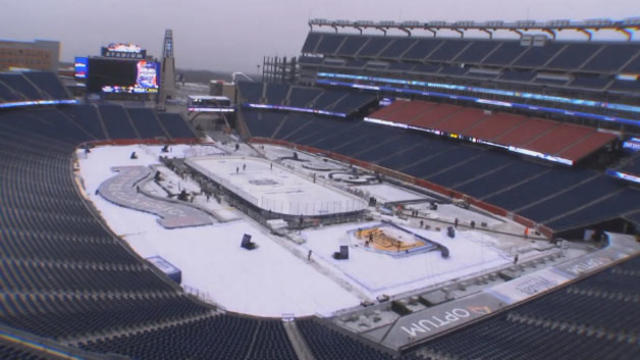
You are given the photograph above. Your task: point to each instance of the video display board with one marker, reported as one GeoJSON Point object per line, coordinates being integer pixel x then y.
{"type": "Point", "coordinates": [108, 75]}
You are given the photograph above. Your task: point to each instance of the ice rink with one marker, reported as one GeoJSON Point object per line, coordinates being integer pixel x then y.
{"type": "Point", "coordinates": [273, 187]}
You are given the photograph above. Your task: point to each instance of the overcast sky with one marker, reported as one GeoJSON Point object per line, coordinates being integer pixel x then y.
{"type": "Point", "coordinates": [234, 35]}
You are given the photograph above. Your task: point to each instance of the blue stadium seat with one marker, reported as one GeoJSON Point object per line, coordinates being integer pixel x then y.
{"type": "Point", "coordinates": [397, 48]}
{"type": "Point", "coordinates": [553, 181]}
{"type": "Point", "coordinates": [329, 43]}
{"type": "Point", "coordinates": [536, 56]}
{"type": "Point", "coordinates": [87, 117]}
{"type": "Point", "coordinates": [146, 123]}
{"type": "Point", "coordinates": [311, 42]}
{"type": "Point", "coordinates": [374, 46]}
{"type": "Point", "coordinates": [423, 48]}
{"type": "Point", "coordinates": [476, 52]}
{"type": "Point", "coordinates": [351, 45]}
{"type": "Point", "coordinates": [327, 343]}
{"type": "Point", "coordinates": [577, 197]}
{"type": "Point", "coordinates": [515, 172]}
{"type": "Point", "coordinates": [276, 93]}
{"type": "Point", "coordinates": [302, 97]}
{"type": "Point", "coordinates": [250, 91]}
{"type": "Point", "coordinates": [612, 58]}
{"type": "Point", "coordinates": [573, 56]}
{"type": "Point", "coordinates": [610, 208]}
{"type": "Point", "coordinates": [19, 84]}
{"type": "Point", "coordinates": [448, 50]}
{"type": "Point", "coordinates": [117, 122]}
{"type": "Point", "coordinates": [261, 124]}
{"type": "Point", "coordinates": [505, 54]}
{"type": "Point", "coordinates": [49, 83]}
{"type": "Point", "coordinates": [534, 331]}
{"type": "Point", "coordinates": [176, 126]}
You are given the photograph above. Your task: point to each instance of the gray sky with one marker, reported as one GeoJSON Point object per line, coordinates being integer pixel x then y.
{"type": "Point", "coordinates": [234, 35]}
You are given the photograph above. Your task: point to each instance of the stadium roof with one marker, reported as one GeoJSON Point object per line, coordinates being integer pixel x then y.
{"type": "Point", "coordinates": [626, 26]}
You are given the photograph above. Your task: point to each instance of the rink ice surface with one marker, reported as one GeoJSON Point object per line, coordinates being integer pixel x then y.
{"type": "Point", "coordinates": [277, 189]}
{"type": "Point", "coordinates": [272, 281]}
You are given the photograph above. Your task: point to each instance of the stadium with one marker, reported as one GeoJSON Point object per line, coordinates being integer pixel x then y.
{"type": "Point", "coordinates": [388, 193]}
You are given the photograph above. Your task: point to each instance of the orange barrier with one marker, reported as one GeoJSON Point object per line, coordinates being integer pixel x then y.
{"type": "Point", "coordinates": [122, 142]}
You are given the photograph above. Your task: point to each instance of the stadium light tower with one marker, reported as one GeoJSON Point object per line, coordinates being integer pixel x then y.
{"type": "Point", "coordinates": [168, 77]}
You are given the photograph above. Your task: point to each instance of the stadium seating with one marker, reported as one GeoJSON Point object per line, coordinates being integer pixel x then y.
{"type": "Point", "coordinates": [631, 165]}
{"type": "Point", "coordinates": [49, 83]}
{"type": "Point", "coordinates": [473, 167]}
{"type": "Point", "coordinates": [175, 126]}
{"type": "Point", "coordinates": [276, 93]}
{"type": "Point", "coordinates": [542, 193]}
{"type": "Point", "coordinates": [575, 322]}
{"type": "Point", "coordinates": [568, 141]}
{"type": "Point", "coordinates": [554, 180]}
{"type": "Point", "coordinates": [572, 198]}
{"type": "Point", "coordinates": [145, 121]}
{"type": "Point", "coordinates": [302, 97]}
{"type": "Point", "coordinates": [625, 201]}
{"type": "Point", "coordinates": [31, 85]}
{"type": "Point", "coordinates": [15, 351]}
{"type": "Point", "coordinates": [326, 343]}
{"type": "Point", "coordinates": [217, 337]}
{"type": "Point", "coordinates": [250, 91]}
{"type": "Point", "coordinates": [7, 94]}
{"type": "Point", "coordinates": [87, 117]}
{"type": "Point", "coordinates": [117, 122]}
{"type": "Point", "coordinates": [341, 102]}
{"type": "Point", "coordinates": [64, 275]}
{"type": "Point", "coordinates": [261, 124]}
{"type": "Point", "coordinates": [568, 68]}
{"type": "Point", "coordinates": [22, 86]}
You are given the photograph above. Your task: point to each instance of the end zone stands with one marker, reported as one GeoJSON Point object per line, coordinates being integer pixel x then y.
{"type": "Point", "coordinates": [546, 139]}
{"type": "Point", "coordinates": [31, 88]}
{"type": "Point", "coordinates": [303, 99]}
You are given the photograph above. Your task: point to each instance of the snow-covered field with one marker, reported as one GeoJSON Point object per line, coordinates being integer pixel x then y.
{"type": "Point", "coordinates": [390, 193]}
{"type": "Point", "coordinates": [450, 212]}
{"type": "Point", "coordinates": [268, 281]}
{"type": "Point", "coordinates": [378, 273]}
{"type": "Point", "coordinates": [276, 279]}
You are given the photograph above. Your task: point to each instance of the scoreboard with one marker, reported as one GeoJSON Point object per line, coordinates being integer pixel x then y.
{"type": "Point", "coordinates": [122, 68]}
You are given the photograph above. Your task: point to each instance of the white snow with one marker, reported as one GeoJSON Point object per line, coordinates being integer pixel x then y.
{"type": "Point", "coordinates": [450, 212]}
{"type": "Point", "coordinates": [378, 273]}
{"type": "Point", "coordinates": [390, 193]}
{"type": "Point", "coordinates": [268, 281]}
